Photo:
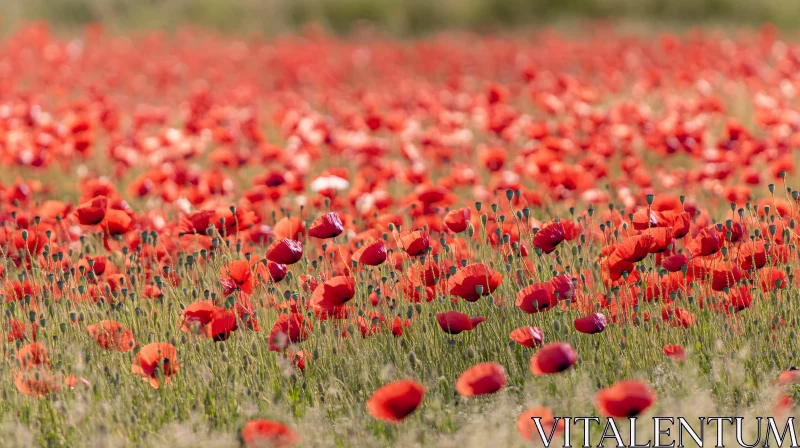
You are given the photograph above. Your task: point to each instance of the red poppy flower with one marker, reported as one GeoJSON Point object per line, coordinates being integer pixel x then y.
{"type": "Point", "coordinates": [222, 324]}
{"type": "Point", "coordinates": [396, 401]}
{"type": "Point", "coordinates": [790, 376]}
{"type": "Point", "coordinates": [116, 222]}
{"type": "Point", "coordinates": [563, 286]}
{"type": "Point", "coordinates": [549, 237]}
{"type": "Point", "coordinates": [481, 379]}
{"type": "Point", "coordinates": [592, 324]}
{"type": "Point", "coordinates": [753, 255]}
{"type": "Point", "coordinates": [371, 254]}
{"type": "Point", "coordinates": [288, 329]}
{"type": "Point", "coordinates": [237, 274]}
{"type": "Point", "coordinates": [290, 228]}
{"type": "Point", "coordinates": [277, 271]}
{"type": "Point", "coordinates": [32, 356]}
{"type": "Point", "coordinates": [527, 427]}
{"type": "Point", "coordinates": [37, 383]}
{"type": "Point", "coordinates": [528, 336]}
{"type": "Point", "coordinates": [674, 263]}
{"type": "Point", "coordinates": [112, 335]}
{"type": "Point", "coordinates": [470, 279]}
{"type": "Point", "coordinates": [457, 220]}
{"type": "Point", "coordinates": [155, 361]}
{"type": "Point", "coordinates": [634, 249]}
{"type": "Point", "coordinates": [625, 399]}
{"type": "Point", "coordinates": [536, 298]}
{"type": "Point", "coordinates": [707, 242]}
{"type": "Point", "coordinates": [453, 322]}
{"type": "Point", "coordinates": [260, 432]}
{"type": "Point", "coordinates": [553, 358]}
{"type": "Point", "coordinates": [415, 243]}
{"type": "Point", "coordinates": [92, 212]}
{"type": "Point", "coordinates": [197, 222]}
{"type": "Point", "coordinates": [196, 316]}
{"type": "Point", "coordinates": [328, 225]}
{"type": "Point", "coordinates": [285, 251]}
{"type": "Point", "coordinates": [675, 352]}
{"type": "Point", "coordinates": [333, 293]}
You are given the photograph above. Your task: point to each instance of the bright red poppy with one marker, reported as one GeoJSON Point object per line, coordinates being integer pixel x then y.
{"type": "Point", "coordinates": [396, 401]}
{"type": "Point", "coordinates": [481, 379]}
{"type": "Point", "coordinates": [473, 281]}
{"type": "Point", "coordinates": [625, 399]}
{"type": "Point", "coordinates": [528, 336]}
{"type": "Point", "coordinates": [156, 362]}
{"type": "Point", "coordinates": [261, 432]}
{"type": "Point", "coordinates": [333, 293]}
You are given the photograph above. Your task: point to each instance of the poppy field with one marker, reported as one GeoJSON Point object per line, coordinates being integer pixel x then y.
{"type": "Point", "coordinates": [311, 240]}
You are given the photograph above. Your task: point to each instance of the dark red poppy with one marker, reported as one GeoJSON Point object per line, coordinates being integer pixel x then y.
{"type": "Point", "coordinates": [553, 358]}
{"type": "Point", "coordinates": [473, 281]}
{"type": "Point", "coordinates": [415, 243]}
{"type": "Point", "coordinates": [92, 212]}
{"type": "Point", "coordinates": [285, 251]}
{"type": "Point", "coordinates": [563, 286]}
{"type": "Point", "coordinates": [536, 298]}
{"type": "Point", "coordinates": [481, 379]}
{"type": "Point", "coordinates": [453, 322]}
{"type": "Point", "coordinates": [197, 222]}
{"type": "Point", "coordinates": [395, 401]}
{"type": "Point", "coordinates": [328, 225]}
{"type": "Point", "coordinates": [261, 432]}
{"type": "Point", "coordinates": [277, 271]}
{"type": "Point", "coordinates": [371, 254]}
{"type": "Point", "coordinates": [753, 255]}
{"type": "Point", "coordinates": [549, 237]}
{"type": "Point", "coordinates": [528, 336]}
{"type": "Point", "coordinates": [625, 399]}
{"type": "Point", "coordinates": [674, 263]}
{"type": "Point", "coordinates": [592, 324]}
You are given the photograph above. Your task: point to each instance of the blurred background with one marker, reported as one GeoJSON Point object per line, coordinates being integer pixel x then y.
{"type": "Point", "coordinates": [400, 17]}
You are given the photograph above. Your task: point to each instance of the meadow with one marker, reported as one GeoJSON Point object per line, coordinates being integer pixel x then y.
{"type": "Point", "coordinates": [314, 240]}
